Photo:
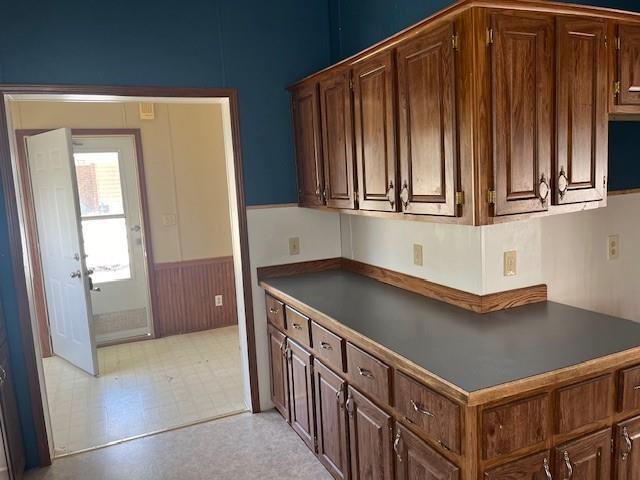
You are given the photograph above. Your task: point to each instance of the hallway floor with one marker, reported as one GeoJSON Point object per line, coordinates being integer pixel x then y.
{"type": "Point", "coordinates": [144, 387]}
{"type": "Point", "coordinates": [243, 447]}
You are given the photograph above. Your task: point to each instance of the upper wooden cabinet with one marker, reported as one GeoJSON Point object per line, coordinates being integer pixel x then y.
{"type": "Point", "coordinates": [581, 78]}
{"type": "Point", "coordinates": [476, 115]}
{"type": "Point", "coordinates": [373, 99]}
{"type": "Point", "coordinates": [427, 123]}
{"type": "Point", "coordinates": [522, 101]}
{"type": "Point", "coordinates": [306, 129]}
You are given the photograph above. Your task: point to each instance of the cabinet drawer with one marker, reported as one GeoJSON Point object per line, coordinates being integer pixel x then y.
{"type": "Point", "coordinates": [517, 425]}
{"type": "Point", "coordinates": [437, 416]}
{"type": "Point", "coordinates": [583, 403]}
{"type": "Point", "coordinates": [298, 327]}
{"type": "Point", "coordinates": [629, 393]}
{"type": "Point", "coordinates": [328, 346]}
{"type": "Point", "coordinates": [368, 373]}
{"type": "Point", "coordinates": [275, 311]}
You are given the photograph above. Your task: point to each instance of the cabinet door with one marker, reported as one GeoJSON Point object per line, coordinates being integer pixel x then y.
{"type": "Point", "coordinates": [416, 459]}
{"type": "Point", "coordinates": [582, 129]}
{"type": "Point", "coordinates": [337, 140]}
{"type": "Point", "coordinates": [535, 467]}
{"type": "Point", "coordinates": [369, 439]}
{"type": "Point", "coordinates": [10, 422]}
{"type": "Point", "coordinates": [373, 97]}
{"type": "Point", "coordinates": [588, 458]}
{"type": "Point", "coordinates": [629, 64]}
{"type": "Point", "coordinates": [279, 381]}
{"type": "Point", "coordinates": [627, 455]}
{"type": "Point", "coordinates": [427, 123]}
{"type": "Point", "coordinates": [306, 129]}
{"type": "Point", "coordinates": [522, 90]}
{"type": "Point", "coordinates": [331, 421]}
{"type": "Point", "coordinates": [301, 393]}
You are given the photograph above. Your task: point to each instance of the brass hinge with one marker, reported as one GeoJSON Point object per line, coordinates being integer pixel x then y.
{"type": "Point", "coordinates": [351, 84]}
{"type": "Point", "coordinates": [618, 43]}
{"type": "Point", "coordinates": [459, 198]}
{"type": "Point", "coordinates": [455, 41]}
{"type": "Point", "coordinates": [491, 196]}
{"type": "Point", "coordinates": [490, 36]}
{"type": "Point", "coordinates": [616, 88]}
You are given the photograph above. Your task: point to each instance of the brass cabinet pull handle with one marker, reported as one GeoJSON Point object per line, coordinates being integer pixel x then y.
{"type": "Point", "coordinates": [296, 326]}
{"type": "Point", "coordinates": [567, 463]}
{"type": "Point", "coordinates": [390, 195]}
{"type": "Point", "coordinates": [365, 373]}
{"type": "Point", "coordinates": [396, 445]}
{"type": "Point", "coordinates": [563, 182]}
{"type": "Point", "coordinates": [326, 346]}
{"type": "Point", "coordinates": [543, 189]}
{"type": "Point", "coordinates": [273, 310]}
{"type": "Point", "coordinates": [349, 405]}
{"type": "Point", "coordinates": [628, 441]}
{"type": "Point", "coordinates": [637, 387]}
{"type": "Point", "coordinates": [547, 470]}
{"type": "Point", "coordinates": [404, 194]}
{"type": "Point", "coordinates": [421, 410]}
{"type": "Point", "coordinates": [283, 349]}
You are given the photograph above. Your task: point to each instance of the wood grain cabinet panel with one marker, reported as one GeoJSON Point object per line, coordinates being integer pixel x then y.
{"type": "Point", "coordinates": [275, 311]}
{"type": "Point", "coordinates": [629, 389]}
{"type": "Point", "coordinates": [517, 425]}
{"type": "Point", "coordinates": [336, 110]}
{"type": "Point", "coordinates": [370, 433]}
{"type": "Point", "coordinates": [627, 452]}
{"type": "Point", "coordinates": [307, 139]}
{"type": "Point", "coordinates": [435, 415]}
{"type": "Point", "coordinates": [628, 70]}
{"type": "Point", "coordinates": [301, 403]}
{"type": "Point", "coordinates": [278, 371]}
{"type": "Point", "coordinates": [583, 403]}
{"type": "Point", "coordinates": [582, 117]}
{"type": "Point", "coordinates": [427, 123]}
{"type": "Point", "coordinates": [368, 374]}
{"type": "Point", "coordinates": [331, 421]}
{"type": "Point", "coordinates": [522, 93]}
{"type": "Point", "coordinates": [298, 326]}
{"type": "Point", "coordinates": [534, 467]}
{"type": "Point", "coordinates": [417, 460]}
{"type": "Point", "coordinates": [374, 115]}
{"type": "Point", "coordinates": [588, 458]}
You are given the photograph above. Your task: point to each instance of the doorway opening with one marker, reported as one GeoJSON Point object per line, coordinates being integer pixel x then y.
{"type": "Point", "coordinates": [134, 236]}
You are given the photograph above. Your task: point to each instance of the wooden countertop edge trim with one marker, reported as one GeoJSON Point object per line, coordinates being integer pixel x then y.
{"type": "Point", "coordinates": [394, 359]}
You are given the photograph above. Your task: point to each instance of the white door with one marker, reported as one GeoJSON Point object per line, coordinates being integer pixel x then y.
{"type": "Point", "coordinates": [112, 226]}
{"type": "Point", "coordinates": [66, 279]}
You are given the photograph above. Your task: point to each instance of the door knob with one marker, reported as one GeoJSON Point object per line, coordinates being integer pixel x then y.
{"type": "Point", "coordinates": [76, 274]}
{"type": "Point", "coordinates": [136, 228]}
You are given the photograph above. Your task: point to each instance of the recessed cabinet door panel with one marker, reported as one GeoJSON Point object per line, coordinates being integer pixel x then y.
{"type": "Point", "coordinates": [306, 129]}
{"type": "Point", "coordinates": [415, 459]}
{"type": "Point", "coordinates": [588, 458]}
{"type": "Point", "coordinates": [427, 124]}
{"type": "Point", "coordinates": [627, 454]}
{"type": "Point", "coordinates": [522, 90]}
{"type": "Point", "coordinates": [279, 382]}
{"type": "Point", "coordinates": [629, 65]}
{"type": "Point", "coordinates": [337, 137]}
{"type": "Point", "coordinates": [373, 93]}
{"type": "Point", "coordinates": [301, 393]}
{"type": "Point", "coordinates": [535, 467]}
{"type": "Point", "coordinates": [581, 164]}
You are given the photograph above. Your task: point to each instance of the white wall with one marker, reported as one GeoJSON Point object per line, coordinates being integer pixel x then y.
{"type": "Point", "coordinates": [269, 233]}
{"type": "Point", "coordinates": [575, 262]}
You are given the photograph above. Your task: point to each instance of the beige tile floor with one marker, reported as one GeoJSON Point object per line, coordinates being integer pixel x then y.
{"type": "Point", "coordinates": [144, 387]}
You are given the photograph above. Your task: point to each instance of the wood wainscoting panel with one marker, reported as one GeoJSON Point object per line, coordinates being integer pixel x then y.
{"type": "Point", "coordinates": [185, 295]}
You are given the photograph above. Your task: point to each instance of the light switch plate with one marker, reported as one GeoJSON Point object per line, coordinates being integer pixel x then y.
{"type": "Point", "coordinates": [613, 247]}
{"type": "Point", "coordinates": [218, 300]}
{"type": "Point", "coordinates": [510, 263]}
{"type": "Point", "coordinates": [417, 254]}
{"type": "Point", "coordinates": [294, 246]}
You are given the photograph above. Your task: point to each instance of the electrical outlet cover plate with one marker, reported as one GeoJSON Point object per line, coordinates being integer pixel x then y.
{"type": "Point", "coordinates": [510, 263]}
{"type": "Point", "coordinates": [613, 247]}
{"type": "Point", "coordinates": [294, 246]}
{"type": "Point", "coordinates": [417, 254]}
{"type": "Point", "coordinates": [218, 300]}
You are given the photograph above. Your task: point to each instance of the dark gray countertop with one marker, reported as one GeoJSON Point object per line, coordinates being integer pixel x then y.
{"type": "Point", "coordinates": [470, 350]}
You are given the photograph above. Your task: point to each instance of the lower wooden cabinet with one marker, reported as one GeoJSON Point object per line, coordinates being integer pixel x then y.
{"type": "Point", "coordinates": [587, 458]}
{"type": "Point", "coordinates": [278, 371]}
{"type": "Point", "coordinates": [301, 408]}
{"type": "Point", "coordinates": [415, 459]}
{"type": "Point", "coordinates": [627, 453]}
{"type": "Point", "coordinates": [331, 421]}
{"type": "Point", "coordinates": [370, 430]}
{"type": "Point", "coordinates": [534, 467]}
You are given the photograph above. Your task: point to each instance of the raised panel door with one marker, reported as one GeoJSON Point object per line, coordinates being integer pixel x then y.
{"type": "Point", "coordinates": [278, 371]}
{"type": "Point", "coordinates": [629, 64]}
{"type": "Point", "coordinates": [301, 393]}
{"type": "Point", "coordinates": [417, 460]}
{"type": "Point", "coordinates": [587, 458]}
{"type": "Point", "coordinates": [627, 452]}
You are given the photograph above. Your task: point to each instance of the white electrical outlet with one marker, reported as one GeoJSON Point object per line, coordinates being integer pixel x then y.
{"type": "Point", "coordinates": [294, 246]}
{"type": "Point", "coordinates": [417, 254]}
{"type": "Point", "coordinates": [613, 247]}
{"type": "Point", "coordinates": [218, 300]}
{"type": "Point", "coordinates": [510, 263]}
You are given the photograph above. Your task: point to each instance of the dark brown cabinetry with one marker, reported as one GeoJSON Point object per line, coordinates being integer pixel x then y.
{"type": "Point", "coordinates": [627, 453]}
{"type": "Point", "coordinates": [301, 408]}
{"type": "Point", "coordinates": [534, 467]}
{"type": "Point", "coordinates": [588, 458]}
{"type": "Point", "coordinates": [522, 93]}
{"type": "Point", "coordinates": [415, 459]}
{"type": "Point", "coordinates": [331, 421]}
{"type": "Point", "coordinates": [278, 370]}
{"type": "Point", "coordinates": [628, 65]}
{"type": "Point", "coordinates": [375, 140]}
{"type": "Point", "coordinates": [369, 438]}
{"type": "Point", "coordinates": [581, 159]}
{"type": "Point", "coordinates": [427, 123]}
{"type": "Point", "coordinates": [306, 129]}
{"type": "Point", "coordinates": [336, 110]}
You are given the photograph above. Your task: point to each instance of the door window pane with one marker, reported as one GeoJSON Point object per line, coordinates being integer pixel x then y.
{"type": "Point", "coordinates": [107, 249]}
{"type": "Point", "coordinates": [99, 187]}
